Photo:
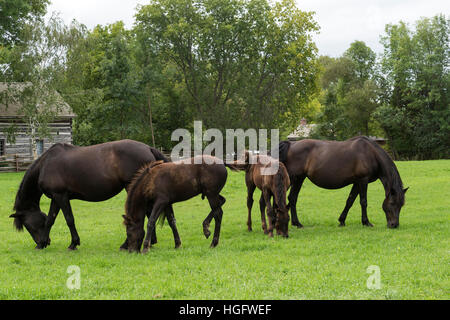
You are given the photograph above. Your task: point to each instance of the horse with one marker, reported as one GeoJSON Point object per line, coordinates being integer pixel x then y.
{"type": "Point", "coordinates": [335, 164]}
{"type": "Point", "coordinates": [65, 172]}
{"type": "Point", "coordinates": [272, 185]}
{"type": "Point", "coordinates": [157, 186]}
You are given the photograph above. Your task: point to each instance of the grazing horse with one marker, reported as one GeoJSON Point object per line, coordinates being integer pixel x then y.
{"type": "Point", "coordinates": [336, 164]}
{"type": "Point", "coordinates": [272, 185]}
{"type": "Point", "coordinates": [158, 185]}
{"type": "Point", "coordinates": [65, 172]}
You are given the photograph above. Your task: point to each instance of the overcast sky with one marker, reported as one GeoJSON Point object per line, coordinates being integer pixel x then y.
{"type": "Point", "coordinates": [341, 21]}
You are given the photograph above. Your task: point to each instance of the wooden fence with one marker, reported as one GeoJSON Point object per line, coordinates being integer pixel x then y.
{"type": "Point", "coordinates": [14, 163]}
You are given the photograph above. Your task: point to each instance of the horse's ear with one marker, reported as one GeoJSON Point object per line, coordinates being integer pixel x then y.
{"type": "Point", "coordinates": [404, 190]}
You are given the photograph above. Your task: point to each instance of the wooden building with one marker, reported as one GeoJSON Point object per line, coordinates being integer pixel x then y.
{"type": "Point", "coordinates": [10, 116]}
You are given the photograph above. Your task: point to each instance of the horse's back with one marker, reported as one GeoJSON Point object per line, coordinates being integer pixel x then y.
{"type": "Point", "coordinates": [92, 173]}
{"type": "Point", "coordinates": [334, 164]}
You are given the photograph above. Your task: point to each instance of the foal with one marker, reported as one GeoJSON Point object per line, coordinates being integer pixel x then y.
{"type": "Point", "coordinates": [272, 184]}
{"type": "Point", "coordinates": [158, 185]}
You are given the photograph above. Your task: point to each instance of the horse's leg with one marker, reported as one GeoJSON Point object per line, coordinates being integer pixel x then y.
{"type": "Point", "coordinates": [172, 223]}
{"type": "Point", "coordinates": [158, 207]}
{"type": "Point", "coordinates": [154, 240]}
{"type": "Point", "coordinates": [216, 202]}
{"type": "Point", "coordinates": [64, 203]}
{"type": "Point", "coordinates": [208, 219]}
{"type": "Point", "coordinates": [270, 212]}
{"type": "Point", "coordinates": [250, 191]}
{"type": "Point", "coordinates": [293, 196]}
{"type": "Point", "coordinates": [351, 198]}
{"type": "Point", "coordinates": [52, 214]}
{"type": "Point", "coordinates": [262, 208]}
{"type": "Point", "coordinates": [363, 202]}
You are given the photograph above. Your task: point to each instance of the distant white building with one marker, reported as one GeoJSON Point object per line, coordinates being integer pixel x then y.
{"type": "Point", "coordinates": [60, 128]}
{"type": "Point", "coordinates": [303, 131]}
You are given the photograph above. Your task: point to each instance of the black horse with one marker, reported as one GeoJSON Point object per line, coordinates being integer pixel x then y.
{"type": "Point", "coordinates": [65, 172]}
{"type": "Point", "coordinates": [157, 186]}
{"type": "Point", "coordinates": [336, 164]}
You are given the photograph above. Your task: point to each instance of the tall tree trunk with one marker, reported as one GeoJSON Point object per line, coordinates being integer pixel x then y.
{"type": "Point", "coordinates": [151, 120]}
{"type": "Point", "coordinates": [33, 140]}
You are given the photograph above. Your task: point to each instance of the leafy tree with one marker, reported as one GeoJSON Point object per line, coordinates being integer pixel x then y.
{"type": "Point", "coordinates": [242, 63]}
{"type": "Point", "coordinates": [363, 59]}
{"type": "Point", "coordinates": [349, 94]}
{"type": "Point", "coordinates": [15, 14]}
{"type": "Point", "coordinates": [34, 69]}
{"type": "Point", "coordinates": [416, 118]}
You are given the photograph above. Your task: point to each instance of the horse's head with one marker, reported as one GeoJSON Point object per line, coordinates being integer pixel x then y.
{"type": "Point", "coordinates": [135, 234]}
{"type": "Point", "coordinates": [282, 222]}
{"type": "Point", "coordinates": [33, 220]}
{"type": "Point", "coordinates": [392, 205]}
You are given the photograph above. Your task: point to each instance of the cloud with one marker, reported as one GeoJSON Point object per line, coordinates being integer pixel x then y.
{"type": "Point", "coordinates": [341, 22]}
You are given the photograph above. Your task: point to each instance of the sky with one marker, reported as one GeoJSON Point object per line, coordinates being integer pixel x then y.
{"type": "Point", "coordinates": [341, 21]}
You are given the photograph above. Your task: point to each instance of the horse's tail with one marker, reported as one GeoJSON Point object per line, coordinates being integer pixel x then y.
{"type": "Point", "coordinates": [158, 155]}
{"type": "Point", "coordinates": [283, 149]}
{"type": "Point", "coordinates": [282, 183]}
{"type": "Point", "coordinates": [236, 166]}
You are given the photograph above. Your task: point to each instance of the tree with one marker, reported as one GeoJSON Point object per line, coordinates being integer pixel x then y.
{"type": "Point", "coordinates": [416, 118]}
{"type": "Point", "coordinates": [242, 63]}
{"type": "Point", "coordinates": [349, 94]}
{"type": "Point", "coordinates": [363, 59]}
{"type": "Point", "coordinates": [34, 69]}
{"type": "Point", "coordinates": [15, 14]}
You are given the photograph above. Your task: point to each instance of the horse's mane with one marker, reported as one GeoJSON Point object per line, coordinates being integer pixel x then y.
{"type": "Point", "coordinates": [133, 187]}
{"type": "Point", "coordinates": [388, 166]}
{"type": "Point", "coordinates": [31, 174]}
{"type": "Point", "coordinates": [30, 180]}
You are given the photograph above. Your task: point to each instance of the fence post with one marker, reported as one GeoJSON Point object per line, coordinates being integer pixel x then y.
{"type": "Point", "coordinates": [17, 162]}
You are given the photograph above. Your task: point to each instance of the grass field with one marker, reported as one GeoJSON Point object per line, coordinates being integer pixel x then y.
{"type": "Point", "coordinates": [321, 261]}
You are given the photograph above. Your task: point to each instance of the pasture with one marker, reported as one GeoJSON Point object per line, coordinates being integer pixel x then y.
{"type": "Point", "coordinates": [321, 261]}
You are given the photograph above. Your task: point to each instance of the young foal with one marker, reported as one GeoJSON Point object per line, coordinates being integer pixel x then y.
{"type": "Point", "coordinates": [158, 185]}
{"type": "Point", "coordinates": [272, 185]}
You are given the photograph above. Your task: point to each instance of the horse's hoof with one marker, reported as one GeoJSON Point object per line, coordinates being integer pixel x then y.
{"type": "Point", "coordinates": [367, 224]}
{"type": "Point", "coordinates": [72, 248]}
{"type": "Point", "coordinates": [145, 251]}
{"type": "Point", "coordinates": [177, 246]}
{"type": "Point", "coordinates": [342, 224]}
{"type": "Point", "coordinates": [213, 245]}
{"type": "Point", "coordinates": [207, 233]}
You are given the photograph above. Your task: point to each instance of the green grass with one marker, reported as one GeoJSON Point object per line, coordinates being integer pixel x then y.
{"type": "Point", "coordinates": [321, 261]}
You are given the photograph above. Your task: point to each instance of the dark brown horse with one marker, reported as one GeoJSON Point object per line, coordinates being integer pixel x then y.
{"type": "Point", "coordinates": [158, 186]}
{"type": "Point", "coordinates": [65, 172]}
{"type": "Point", "coordinates": [272, 184]}
{"type": "Point", "coordinates": [336, 164]}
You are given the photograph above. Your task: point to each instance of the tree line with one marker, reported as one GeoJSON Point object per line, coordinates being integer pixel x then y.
{"type": "Point", "coordinates": [232, 64]}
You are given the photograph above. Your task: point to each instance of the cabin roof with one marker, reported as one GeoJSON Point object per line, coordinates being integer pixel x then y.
{"type": "Point", "coordinates": [12, 109]}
